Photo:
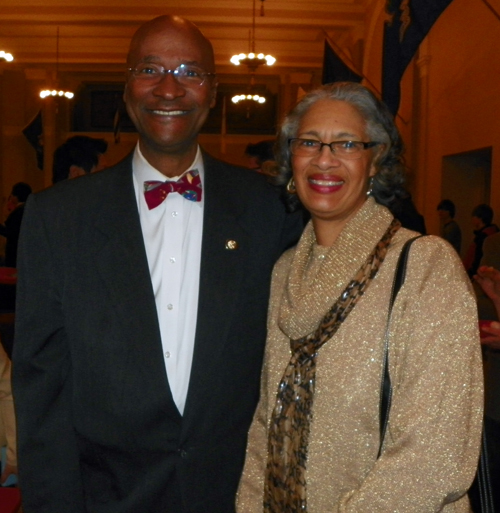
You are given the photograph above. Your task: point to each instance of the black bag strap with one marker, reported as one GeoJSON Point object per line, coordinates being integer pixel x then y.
{"type": "Point", "coordinates": [484, 480]}
{"type": "Point", "coordinates": [483, 474]}
{"type": "Point", "coordinates": [386, 387]}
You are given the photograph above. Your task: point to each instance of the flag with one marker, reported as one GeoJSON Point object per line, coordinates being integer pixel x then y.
{"type": "Point", "coordinates": [34, 133]}
{"type": "Point", "coordinates": [410, 22]}
{"type": "Point", "coordinates": [118, 117]}
{"type": "Point", "coordinates": [117, 125]}
{"type": "Point", "coordinates": [335, 69]}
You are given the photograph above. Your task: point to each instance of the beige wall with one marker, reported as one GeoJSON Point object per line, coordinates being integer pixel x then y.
{"type": "Point", "coordinates": [450, 102]}
{"type": "Point", "coordinates": [456, 88]}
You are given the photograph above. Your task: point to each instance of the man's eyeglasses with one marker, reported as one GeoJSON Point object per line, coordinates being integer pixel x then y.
{"type": "Point", "coordinates": [342, 149]}
{"type": "Point", "coordinates": [184, 74]}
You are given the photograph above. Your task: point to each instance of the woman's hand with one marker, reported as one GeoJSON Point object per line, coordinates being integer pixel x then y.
{"type": "Point", "coordinates": [492, 339]}
{"type": "Point", "coordinates": [489, 280]}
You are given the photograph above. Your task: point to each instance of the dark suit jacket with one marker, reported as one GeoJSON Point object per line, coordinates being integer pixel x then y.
{"type": "Point", "coordinates": [98, 430]}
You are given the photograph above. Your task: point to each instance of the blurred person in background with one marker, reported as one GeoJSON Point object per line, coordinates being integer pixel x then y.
{"type": "Point", "coordinates": [78, 156]}
{"type": "Point", "coordinates": [12, 226]}
{"type": "Point", "coordinates": [450, 230]}
{"type": "Point", "coordinates": [482, 223]}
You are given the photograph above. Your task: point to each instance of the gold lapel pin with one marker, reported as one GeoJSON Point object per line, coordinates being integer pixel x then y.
{"type": "Point", "coordinates": [231, 245]}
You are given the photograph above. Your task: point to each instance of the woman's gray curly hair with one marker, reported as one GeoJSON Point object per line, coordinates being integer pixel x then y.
{"type": "Point", "coordinates": [388, 183]}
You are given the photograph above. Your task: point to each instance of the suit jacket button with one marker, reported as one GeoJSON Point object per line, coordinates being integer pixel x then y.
{"type": "Point", "coordinates": [231, 245]}
{"type": "Point", "coordinates": [183, 453]}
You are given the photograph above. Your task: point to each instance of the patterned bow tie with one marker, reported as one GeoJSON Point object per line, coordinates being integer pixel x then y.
{"type": "Point", "coordinates": [188, 186]}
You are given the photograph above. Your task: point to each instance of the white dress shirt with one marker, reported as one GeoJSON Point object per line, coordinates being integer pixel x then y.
{"type": "Point", "coordinates": [172, 235]}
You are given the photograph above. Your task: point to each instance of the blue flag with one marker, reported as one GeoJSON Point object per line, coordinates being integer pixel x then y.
{"type": "Point", "coordinates": [335, 69]}
{"type": "Point", "coordinates": [410, 22]}
{"type": "Point", "coordinates": [34, 133]}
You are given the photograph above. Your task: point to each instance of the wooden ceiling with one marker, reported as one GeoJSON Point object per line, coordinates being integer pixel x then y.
{"type": "Point", "coordinates": [94, 34]}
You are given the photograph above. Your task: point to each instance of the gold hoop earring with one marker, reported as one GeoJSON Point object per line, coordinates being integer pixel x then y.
{"type": "Point", "coordinates": [290, 186]}
{"type": "Point", "coordinates": [370, 187]}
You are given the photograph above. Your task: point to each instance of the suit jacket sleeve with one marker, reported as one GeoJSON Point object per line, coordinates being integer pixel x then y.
{"type": "Point", "coordinates": [47, 449]}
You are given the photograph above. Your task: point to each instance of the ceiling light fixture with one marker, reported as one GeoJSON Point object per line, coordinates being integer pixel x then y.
{"type": "Point", "coordinates": [6, 56]}
{"type": "Point", "coordinates": [253, 60]}
{"type": "Point", "coordinates": [242, 97]}
{"type": "Point", "coordinates": [46, 93]}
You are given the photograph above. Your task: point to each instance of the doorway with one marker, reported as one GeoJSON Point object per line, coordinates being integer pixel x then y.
{"type": "Point", "coordinates": [466, 180]}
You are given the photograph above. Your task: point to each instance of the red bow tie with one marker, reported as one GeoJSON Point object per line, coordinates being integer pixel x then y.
{"type": "Point", "coordinates": [189, 186]}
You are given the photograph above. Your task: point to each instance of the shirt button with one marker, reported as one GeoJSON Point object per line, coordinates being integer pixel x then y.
{"type": "Point", "coordinates": [172, 260]}
{"type": "Point", "coordinates": [175, 213]}
{"type": "Point", "coordinates": [167, 354]}
{"type": "Point", "coordinates": [170, 307]}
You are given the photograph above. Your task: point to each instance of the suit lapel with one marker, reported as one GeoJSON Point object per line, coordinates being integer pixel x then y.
{"type": "Point", "coordinates": [122, 263]}
{"type": "Point", "coordinates": [121, 256]}
{"type": "Point", "coordinates": [220, 277]}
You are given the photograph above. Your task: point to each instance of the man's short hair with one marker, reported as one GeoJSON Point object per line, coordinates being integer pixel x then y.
{"type": "Point", "coordinates": [448, 206]}
{"type": "Point", "coordinates": [21, 191]}
{"type": "Point", "coordinates": [81, 151]}
{"type": "Point", "coordinates": [483, 212]}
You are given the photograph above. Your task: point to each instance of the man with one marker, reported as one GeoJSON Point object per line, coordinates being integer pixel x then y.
{"type": "Point", "coordinates": [482, 222]}
{"type": "Point", "coordinates": [450, 230]}
{"type": "Point", "coordinates": [78, 156]}
{"type": "Point", "coordinates": [10, 230]}
{"type": "Point", "coordinates": [141, 323]}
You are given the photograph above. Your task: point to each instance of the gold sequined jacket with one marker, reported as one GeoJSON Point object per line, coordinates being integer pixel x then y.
{"type": "Point", "coordinates": [432, 445]}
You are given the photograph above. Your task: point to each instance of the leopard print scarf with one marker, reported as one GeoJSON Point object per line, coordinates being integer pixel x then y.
{"type": "Point", "coordinates": [285, 484]}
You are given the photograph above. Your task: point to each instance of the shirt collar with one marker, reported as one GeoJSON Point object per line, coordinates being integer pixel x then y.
{"type": "Point", "coordinates": [143, 170]}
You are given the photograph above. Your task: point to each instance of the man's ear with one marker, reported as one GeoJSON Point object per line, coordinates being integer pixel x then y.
{"type": "Point", "coordinates": [213, 93]}
{"type": "Point", "coordinates": [75, 171]}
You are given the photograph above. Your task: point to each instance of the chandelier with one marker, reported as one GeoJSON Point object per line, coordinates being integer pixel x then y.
{"type": "Point", "coordinates": [6, 56]}
{"type": "Point", "coordinates": [253, 60]}
{"type": "Point", "coordinates": [46, 93]}
{"type": "Point", "coordinates": [242, 97]}
{"type": "Point", "coordinates": [54, 92]}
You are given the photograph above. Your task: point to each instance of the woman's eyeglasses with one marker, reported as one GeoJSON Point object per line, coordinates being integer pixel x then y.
{"type": "Point", "coordinates": [342, 149]}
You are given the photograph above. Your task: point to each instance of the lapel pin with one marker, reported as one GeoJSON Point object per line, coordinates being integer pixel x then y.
{"type": "Point", "coordinates": [231, 245]}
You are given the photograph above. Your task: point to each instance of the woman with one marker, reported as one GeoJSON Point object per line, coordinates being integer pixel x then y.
{"type": "Point", "coordinates": [314, 441]}
{"type": "Point", "coordinates": [489, 279]}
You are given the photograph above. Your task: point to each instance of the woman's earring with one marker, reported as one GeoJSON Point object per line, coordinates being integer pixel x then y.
{"type": "Point", "coordinates": [370, 187]}
{"type": "Point", "coordinates": [290, 186]}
